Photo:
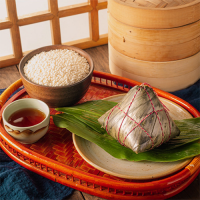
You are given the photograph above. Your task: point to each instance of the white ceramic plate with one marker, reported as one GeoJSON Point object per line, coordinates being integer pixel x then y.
{"type": "Point", "coordinates": [100, 159]}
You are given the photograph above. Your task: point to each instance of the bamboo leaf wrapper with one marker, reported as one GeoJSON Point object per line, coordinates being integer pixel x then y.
{"type": "Point", "coordinates": [139, 121]}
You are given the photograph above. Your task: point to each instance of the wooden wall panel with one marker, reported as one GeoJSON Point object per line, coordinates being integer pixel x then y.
{"type": "Point", "coordinates": [14, 30]}
{"type": "Point", "coordinates": [13, 22]}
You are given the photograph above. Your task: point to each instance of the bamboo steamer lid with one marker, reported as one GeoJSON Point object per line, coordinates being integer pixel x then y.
{"type": "Point", "coordinates": [167, 76]}
{"type": "Point", "coordinates": [154, 44]}
{"type": "Point", "coordinates": [155, 13]}
{"type": "Point", "coordinates": [154, 69]}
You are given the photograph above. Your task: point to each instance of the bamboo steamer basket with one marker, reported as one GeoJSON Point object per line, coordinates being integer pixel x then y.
{"type": "Point", "coordinates": [155, 41]}
{"type": "Point", "coordinates": [168, 76]}
{"type": "Point", "coordinates": [155, 14]}
{"type": "Point", "coordinates": [154, 69]}
{"type": "Point", "coordinates": [154, 44]}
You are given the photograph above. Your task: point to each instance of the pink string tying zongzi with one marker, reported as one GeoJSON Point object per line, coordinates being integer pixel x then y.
{"type": "Point", "coordinates": [126, 114]}
{"type": "Point", "coordinates": [138, 124]}
{"type": "Point", "coordinates": [165, 109]}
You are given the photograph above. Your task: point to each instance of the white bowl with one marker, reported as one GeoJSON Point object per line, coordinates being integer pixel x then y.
{"type": "Point", "coordinates": [29, 134]}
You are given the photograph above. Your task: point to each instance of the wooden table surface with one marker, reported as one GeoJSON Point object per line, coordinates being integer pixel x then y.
{"type": "Point", "coordinates": [8, 75]}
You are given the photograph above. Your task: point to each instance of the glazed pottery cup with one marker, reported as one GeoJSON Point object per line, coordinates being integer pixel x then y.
{"type": "Point", "coordinates": [30, 134]}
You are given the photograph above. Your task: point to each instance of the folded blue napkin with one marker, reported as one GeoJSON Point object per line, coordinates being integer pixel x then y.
{"type": "Point", "coordinates": [16, 182]}
{"type": "Point", "coordinates": [19, 183]}
{"type": "Point", "coordinates": [191, 95]}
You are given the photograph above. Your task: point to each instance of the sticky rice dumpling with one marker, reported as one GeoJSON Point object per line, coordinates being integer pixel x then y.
{"type": "Point", "coordinates": [140, 121]}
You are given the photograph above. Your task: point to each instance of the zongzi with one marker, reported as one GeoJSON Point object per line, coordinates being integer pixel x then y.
{"type": "Point", "coordinates": [139, 121]}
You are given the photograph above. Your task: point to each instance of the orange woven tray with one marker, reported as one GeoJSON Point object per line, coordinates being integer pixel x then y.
{"type": "Point", "coordinates": [55, 157]}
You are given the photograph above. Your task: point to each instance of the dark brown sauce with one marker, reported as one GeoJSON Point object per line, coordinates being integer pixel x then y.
{"type": "Point", "coordinates": [26, 117]}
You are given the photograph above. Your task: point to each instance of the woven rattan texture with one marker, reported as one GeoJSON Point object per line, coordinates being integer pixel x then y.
{"type": "Point", "coordinates": [158, 3]}
{"type": "Point", "coordinates": [57, 144]}
{"type": "Point", "coordinates": [64, 165]}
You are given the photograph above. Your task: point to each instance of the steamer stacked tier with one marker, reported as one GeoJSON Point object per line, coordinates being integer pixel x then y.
{"type": "Point", "coordinates": [155, 41]}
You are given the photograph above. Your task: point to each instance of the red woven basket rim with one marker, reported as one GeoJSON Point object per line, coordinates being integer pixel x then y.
{"type": "Point", "coordinates": [178, 178]}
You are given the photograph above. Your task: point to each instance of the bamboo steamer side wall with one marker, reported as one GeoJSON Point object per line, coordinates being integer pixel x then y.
{"type": "Point", "coordinates": [149, 72]}
{"type": "Point", "coordinates": [155, 41]}
{"type": "Point", "coordinates": [154, 69]}
{"type": "Point", "coordinates": [158, 16]}
{"type": "Point", "coordinates": [154, 44]}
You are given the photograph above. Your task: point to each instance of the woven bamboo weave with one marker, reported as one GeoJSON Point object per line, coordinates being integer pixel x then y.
{"type": "Point", "coordinates": [158, 3]}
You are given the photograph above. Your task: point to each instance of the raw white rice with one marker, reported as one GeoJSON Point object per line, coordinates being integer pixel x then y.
{"type": "Point", "coordinates": [60, 67]}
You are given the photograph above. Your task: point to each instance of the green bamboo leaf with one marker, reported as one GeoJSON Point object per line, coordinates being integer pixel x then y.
{"type": "Point", "coordinates": [111, 146]}
{"type": "Point", "coordinates": [98, 107]}
{"type": "Point", "coordinates": [105, 141]}
{"type": "Point", "coordinates": [90, 111]}
{"type": "Point", "coordinates": [190, 132]}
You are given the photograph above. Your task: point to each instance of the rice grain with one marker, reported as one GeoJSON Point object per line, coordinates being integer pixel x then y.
{"type": "Point", "coordinates": [60, 67]}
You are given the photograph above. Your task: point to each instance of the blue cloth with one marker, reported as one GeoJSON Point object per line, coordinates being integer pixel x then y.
{"type": "Point", "coordinates": [19, 183]}
{"type": "Point", "coordinates": [191, 95]}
